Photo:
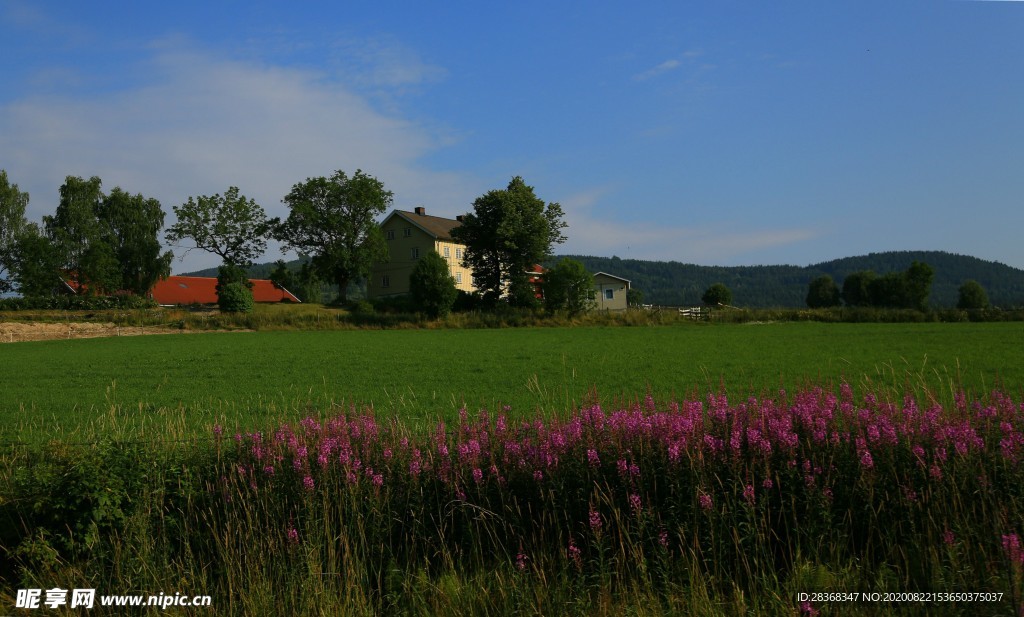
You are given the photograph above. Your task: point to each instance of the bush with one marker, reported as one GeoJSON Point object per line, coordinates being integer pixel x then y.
{"type": "Point", "coordinates": [235, 297]}
{"type": "Point", "coordinates": [432, 287]}
{"type": "Point", "coordinates": [76, 303]}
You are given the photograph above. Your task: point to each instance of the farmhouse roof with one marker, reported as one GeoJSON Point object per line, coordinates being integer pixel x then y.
{"type": "Point", "coordinates": [436, 226]}
{"type": "Point", "coordinates": [618, 278]}
{"type": "Point", "coordinates": [203, 290]}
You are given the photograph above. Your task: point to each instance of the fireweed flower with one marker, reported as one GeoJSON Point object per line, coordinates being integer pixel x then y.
{"type": "Point", "coordinates": [595, 521]}
{"type": "Point", "coordinates": [663, 538]}
{"type": "Point", "coordinates": [948, 537]}
{"type": "Point", "coordinates": [307, 483]}
{"type": "Point", "coordinates": [1013, 549]}
{"type": "Point", "coordinates": [705, 502]}
{"type": "Point", "coordinates": [748, 493]}
{"type": "Point", "coordinates": [521, 561]}
{"type": "Point", "coordinates": [866, 461]}
{"type": "Point", "coordinates": [575, 554]}
{"type": "Point", "coordinates": [293, 534]}
{"type": "Point", "coordinates": [635, 503]}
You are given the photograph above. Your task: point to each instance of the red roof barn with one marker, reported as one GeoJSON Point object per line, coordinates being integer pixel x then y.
{"type": "Point", "coordinates": [203, 290]}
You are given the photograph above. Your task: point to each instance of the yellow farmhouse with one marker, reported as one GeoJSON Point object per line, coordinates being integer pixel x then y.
{"type": "Point", "coordinates": [409, 236]}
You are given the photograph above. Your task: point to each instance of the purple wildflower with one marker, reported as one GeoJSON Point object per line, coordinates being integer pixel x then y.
{"type": "Point", "coordinates": [635, 503]}
{"type": "Point", "coordinates": [307, 483]}
{"type": "Point", "coordinates": [521, 561]}
{"type": "Point", "coordinates": [575, 554]}
{"type": "Point", "coordinates": [1013, 549]}
{"type": "Point", "coordinates": [705, 502]}
{"type": "Point", "coordinates": [748, 493]}
{"type": "Point", "coordinates": [595, 521]}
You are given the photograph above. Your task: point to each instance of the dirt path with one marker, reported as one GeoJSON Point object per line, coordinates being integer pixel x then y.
{"type": "Point", "coordinates": [16, 332]}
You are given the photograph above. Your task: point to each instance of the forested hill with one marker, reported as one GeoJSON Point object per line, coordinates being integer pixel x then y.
{"type": "Point", "coordinates": [677, 284]}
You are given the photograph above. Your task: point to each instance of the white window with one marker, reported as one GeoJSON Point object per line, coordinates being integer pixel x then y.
{"type": "Point", "coordinates": [458, 253]}
{"type": "Point", "coordinates": [407, 232]}
{"type": "Point", "coordinates": [391, 234]}
{"type": "Point", "coordinates": [385, 281]}
{"type": "Point", "coordinates": [458, 278]}
{"type": "Point", "coordinates": [609, 294]}
{"type": "Point", "coordinates": [415, 252]}
{"type": "Point", "coordinates": [447, 252]}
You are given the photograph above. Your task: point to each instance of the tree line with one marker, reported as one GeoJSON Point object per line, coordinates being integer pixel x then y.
{"type": "Point", "coordinates": [109, 243]}
{"type": "Point", "coordinates": [670, 283]}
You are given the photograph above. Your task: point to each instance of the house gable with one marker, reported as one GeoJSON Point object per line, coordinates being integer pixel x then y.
{"type": "Point", "coordinates": [409, 236]}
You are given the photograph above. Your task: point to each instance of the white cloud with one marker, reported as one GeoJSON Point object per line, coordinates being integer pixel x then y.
{"type": "Point", "coordinates": [592, 233]}
{"type": "Point", "coordinates": [664, 67]}
{"type": "Point", "coordinates": [202, 123]}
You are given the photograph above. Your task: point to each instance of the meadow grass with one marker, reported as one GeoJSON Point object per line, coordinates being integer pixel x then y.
{"type": "Point", "coordinates": [55, 388]}
{"type": "Point", "coordinates": [705, 506]}
{"type": "Point", "coordinates": [615, 470]}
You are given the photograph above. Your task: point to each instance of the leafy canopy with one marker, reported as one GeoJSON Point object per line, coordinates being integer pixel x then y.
{"type": "Point", "coordinates": [717, 294]}
{"type": "Point", "coordinates": [230, 226]}
{"type": "Point", "coordinates": [568, 287]}
{"type": "Point", "coordinates": [507, 233]}
{"type": "Point", "coordinates": [333, 220]}
{"type": "Point", "coordinates": [823, 293]}
{"type": "Point", "coordinates": [106, 243]}
{"type": "Point", "coordinates": [133, 224]}
{"type": "Point", "coordinates": [13, 203]}
{"type": "Point", "coordinates": [972, 296]}
{"type": "Point", "coordinates": [432, 286]}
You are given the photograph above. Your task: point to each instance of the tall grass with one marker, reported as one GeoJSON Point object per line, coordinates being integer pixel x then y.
{"type": "Point", "coordinates": [701, 506]}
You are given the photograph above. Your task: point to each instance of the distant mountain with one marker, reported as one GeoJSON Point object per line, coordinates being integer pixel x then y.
{"type": "Point", "coordinates": [671, 283]}
{"type": "Point", "coordinates": [675, 284]}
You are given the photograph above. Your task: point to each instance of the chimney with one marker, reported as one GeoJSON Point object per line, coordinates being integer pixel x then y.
{"type": "Point", "coordinates": [420, 210]}
{"type": "Point", "coordinates": [459, 217]}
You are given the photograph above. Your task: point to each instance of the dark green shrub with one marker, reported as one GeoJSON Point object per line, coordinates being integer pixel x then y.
{"type": "Point", "coordinates": [235, 297]}
{"type": "Point", "coordinates": [432, 287]}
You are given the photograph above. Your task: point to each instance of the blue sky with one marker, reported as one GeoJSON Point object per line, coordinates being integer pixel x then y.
{"type": "Point", "coordinates": [717, 133]}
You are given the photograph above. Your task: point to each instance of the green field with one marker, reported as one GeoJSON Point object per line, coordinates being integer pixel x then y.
{"type": "Point", "coordinates": [239, 379]}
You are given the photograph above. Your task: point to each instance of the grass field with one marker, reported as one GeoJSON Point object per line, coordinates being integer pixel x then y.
{"type": "Point", "coordinates": [239, 379]}
{"type": "Point", "coordinates": [114, 476]}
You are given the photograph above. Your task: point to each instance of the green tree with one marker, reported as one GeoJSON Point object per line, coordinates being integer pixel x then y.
{"type": "Point", "coordinates": [334, 221]}
{"type": "Point", "coordinates": [233, 228]}
{"type": "Point", "coordinates": [80, 238]}
{"type": "Point", "coordinates": [281, 276]}
{"type": "Point", "coordinates": [909, 289]}
{"type": "Point", "coordinates": [717, 294]}
{"type": "Point", "coordinates": [431, 285]}
{"type": "Point", "coordinates": [888, 290]}
{"type": "Point", "coordinates": [35, 263]}
{"type": "Point", "coordinates": [823, 292]}
{"type": "Point", "coordinates": [917, 285]}
{"type": "Point", "coordinates": [856, 288]}
{"type": "Point", "coordinates": [972, 296]}
{"type": "Point", "coordinates": [634, 297]}
{"type": "Point", "coordinates": [568, 287]}
{"type": "Point", "coordinates": [13, 203]}
{"type": "Point", "coordinates": [230, 226]}
{"type": "Point", "coordinates": [507, 233]}
{"type": "Point", "coordinates": [132, 224]}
